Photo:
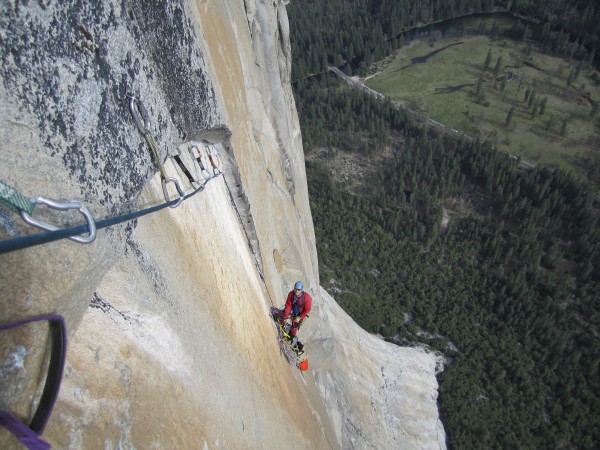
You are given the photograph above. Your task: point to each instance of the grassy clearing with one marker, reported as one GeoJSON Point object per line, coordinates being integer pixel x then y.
{"type": "Point", "coordinates": [440, 79]}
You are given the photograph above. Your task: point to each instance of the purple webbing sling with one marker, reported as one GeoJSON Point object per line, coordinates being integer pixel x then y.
{"type": "Point", "coordinates": [30, 435]}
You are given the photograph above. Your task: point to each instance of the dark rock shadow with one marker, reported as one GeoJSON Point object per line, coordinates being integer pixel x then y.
{"type": "Point", "coordinates": [452, 89]}
{"type": "Point", "coordinates": [423, 59]}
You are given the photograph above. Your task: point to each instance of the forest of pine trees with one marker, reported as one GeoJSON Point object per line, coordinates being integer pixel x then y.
{"type": "Point", "coordinates": [508, 292]}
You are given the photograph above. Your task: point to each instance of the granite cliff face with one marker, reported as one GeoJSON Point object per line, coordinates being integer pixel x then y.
{"type": "Point", "coordinates": [170, 343]}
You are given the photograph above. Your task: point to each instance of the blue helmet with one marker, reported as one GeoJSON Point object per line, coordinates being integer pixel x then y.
{"type": "Point", "coordinates": [299, 285]}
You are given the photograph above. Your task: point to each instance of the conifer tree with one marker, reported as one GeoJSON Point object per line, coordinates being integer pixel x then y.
{"type": "Point", "coordinates": [509, 116]}
{"type": "Point", "coordinates": [563, 127]}
{"type": "Point", "coordinates": [488, 60]}
{"type": "Point", "coordinates": [571, 77]}
{"type": "Point", "coordinates": [578, 70]}
{"type": "Point", "coordinates": [531, 98]}
{"type": "Point", "coordinates": [550, 123]}
{"type": "Point", "coordinates": [543, 106]}
{"type": "Point", "coordinates": [499, 66]}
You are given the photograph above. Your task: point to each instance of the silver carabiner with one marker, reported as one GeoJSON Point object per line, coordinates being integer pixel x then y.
{"type": "Point", "coordinates": [166, 192]}
{"type": "Point", "coordinates": [142, 122]}
{"type": "Point", "coordinates": [140, 115]}
{"type": "Point", "coordinates": [63, 206]}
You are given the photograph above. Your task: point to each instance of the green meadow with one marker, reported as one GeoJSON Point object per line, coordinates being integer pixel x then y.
{"type": "Point", "coordinates": [448, 81]}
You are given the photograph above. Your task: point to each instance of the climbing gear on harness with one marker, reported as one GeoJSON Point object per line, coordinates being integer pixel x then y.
{"type": "Point", "coordinates": [142, 122]}
{"type": "Point", "coordinates": [289, 346]}
{"type": "Point", "coordinates": [23, 206]}
{"type": "Point", "coordinates": [29, 435]}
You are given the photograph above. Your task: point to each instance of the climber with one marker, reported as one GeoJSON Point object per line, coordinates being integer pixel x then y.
{"type": "Point", "coordinates": [297, 307]}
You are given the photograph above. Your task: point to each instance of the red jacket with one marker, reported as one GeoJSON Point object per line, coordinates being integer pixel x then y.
{"type": "Point", "coordinates": [304, 305]}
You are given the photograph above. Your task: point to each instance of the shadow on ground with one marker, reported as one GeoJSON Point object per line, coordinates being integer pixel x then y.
{"type": "Point", "coordinates": [451, 89]}
{"type": "Point", "coordinates": [423, 59]}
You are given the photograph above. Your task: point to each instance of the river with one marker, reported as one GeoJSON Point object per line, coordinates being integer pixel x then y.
{"type": "Point", "coordinates": [473, 25]}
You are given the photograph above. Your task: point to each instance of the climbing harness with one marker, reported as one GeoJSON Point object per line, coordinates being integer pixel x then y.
{"type": "Point", "coordinates": [29, 435]}
{"type": "Point", "coordinates": [142, 122]}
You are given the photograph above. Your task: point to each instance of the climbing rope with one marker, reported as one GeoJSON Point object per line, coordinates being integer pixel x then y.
{"type": "Point", "coordinates": [9, 245]}
{"type": "Point", "coordinates": [249, 243]}
{"type": "Point", "coordinates": [20, 204]}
